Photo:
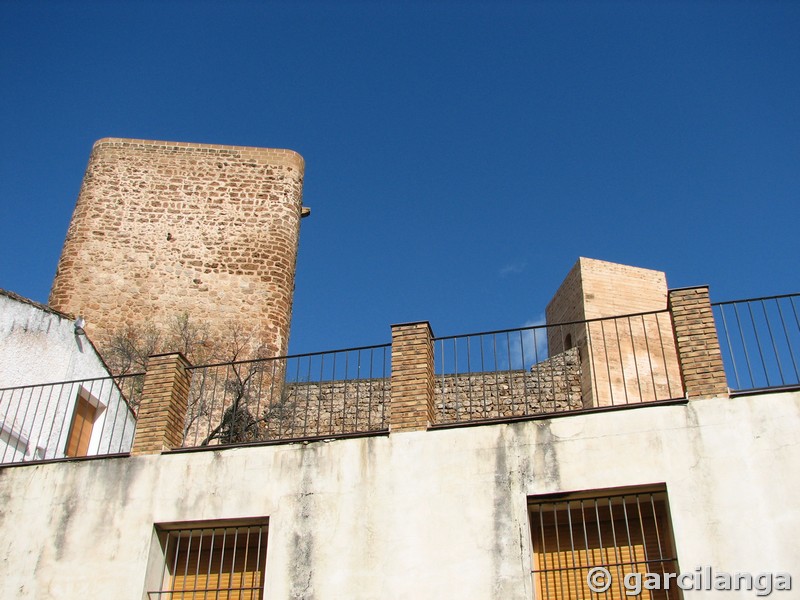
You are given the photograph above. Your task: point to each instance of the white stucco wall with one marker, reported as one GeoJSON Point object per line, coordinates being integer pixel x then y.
{"type": "Point", "coordinates": [40, 346]}
{"type": "Point", "coordinates": [424, 515]}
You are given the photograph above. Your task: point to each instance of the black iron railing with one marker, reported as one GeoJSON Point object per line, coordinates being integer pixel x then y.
{"type": "Point", "coordinates": [510, 373]}
{"type": "Point", "coordinates": [760, 341]}
{"type": "Point", "coordinates": [320, 394]}
{"type": "Point", "coordinates": [66, 419]}
{"type": "Point", "coordinates": [548, 369]}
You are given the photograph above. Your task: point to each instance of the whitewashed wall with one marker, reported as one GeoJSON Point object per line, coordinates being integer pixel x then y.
{"type": "Point", "coordinates": [423, 515]}
{"type": "Point", "coordinates": [40, 346]}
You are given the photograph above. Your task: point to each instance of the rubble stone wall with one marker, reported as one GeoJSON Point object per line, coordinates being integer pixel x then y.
{"type": "Point", "coordinates": [162, 229]}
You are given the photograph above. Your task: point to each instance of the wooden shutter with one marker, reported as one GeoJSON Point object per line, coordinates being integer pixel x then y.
{"type": "Point", "coordinates": [219, 564]}
{"type": "Point", "coordinates": [624, 534]}
{"type": "Point", "coordinates": [80, 431]}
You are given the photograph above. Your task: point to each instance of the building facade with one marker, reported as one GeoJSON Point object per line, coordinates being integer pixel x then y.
{"type": "Point", "coordinates": [525, 495]}
{"type": "Point", "coordinates": [83, 411]}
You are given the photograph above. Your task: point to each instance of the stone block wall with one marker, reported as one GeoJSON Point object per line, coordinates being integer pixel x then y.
{"type": "Point", "coordinates": [307, 409]}
{"type": "Point", "coordinates": [310, 409]}
{"type": "Point", "coordinates": [330, 408]}
{"type": "Point", "coordinates": [553, 385]}
{"type": "Point", "coordinates": [623, 360]}
{"type": "Point", "coordinates": [292, 410]}
{"type": "Point", "coordinates": [162, 229]}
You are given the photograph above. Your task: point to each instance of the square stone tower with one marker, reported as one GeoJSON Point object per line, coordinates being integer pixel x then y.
{"type": "Point", "coordinates": [163, 229]}
{"type": "Point", "coordinates": [625, 359]}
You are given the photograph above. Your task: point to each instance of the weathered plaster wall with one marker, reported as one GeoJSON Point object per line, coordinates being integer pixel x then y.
{"type": "Point", "coordinates": [40, 346]}
{"type": "Point", "coordinates": [428, 515]}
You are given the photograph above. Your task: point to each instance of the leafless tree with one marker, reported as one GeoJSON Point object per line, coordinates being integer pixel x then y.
{"type": "Point", "coordinates": [224, 394]}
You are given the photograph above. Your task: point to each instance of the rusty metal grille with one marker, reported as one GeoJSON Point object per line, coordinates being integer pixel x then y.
{"type": "Point", "coordinates": [219, 563]}
{"type": "Point", "coordinates": [624, 534]}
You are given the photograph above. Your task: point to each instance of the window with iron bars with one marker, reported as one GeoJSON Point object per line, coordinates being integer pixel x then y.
{"type": "Point", "coordinates": [622, 531]}
{"type": "Point", "coordinates": [212, 562]}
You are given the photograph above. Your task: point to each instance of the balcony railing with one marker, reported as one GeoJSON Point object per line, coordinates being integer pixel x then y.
{"type": "Point", "coordinates": [321, 394]}
{"type": "Point", "coordinates": [518, 373]}
{"type": "Point", "coordinates": [88, 417]}
{"type": "Point", "coordinates": [549, 369]}
{"type": "Point", "coordinates": [760, 341]}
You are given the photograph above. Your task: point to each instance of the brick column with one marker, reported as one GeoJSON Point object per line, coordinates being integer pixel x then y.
{"type": "Point", "coordinates": [697, 343]}
{"type": "Point", "coordinates": [412, 377]}
{"type": "Point", "coordinates": [165, 398]}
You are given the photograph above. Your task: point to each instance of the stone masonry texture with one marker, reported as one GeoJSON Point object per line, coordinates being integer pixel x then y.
{"type": "Point", "coordinates": [624, 360]}
{"type": "Point", "coordinates": [163, 229]}
{"type": "Point", "coordinates": [161, 413]}
{"type": "Point", "coordinates": [697, 342]}
{"type": "Point", "coordinates": [553, 385]}
{"type": "Point", "coordinates": [332, 408]}
{"type": "Point", "coordinates": [412, 377]}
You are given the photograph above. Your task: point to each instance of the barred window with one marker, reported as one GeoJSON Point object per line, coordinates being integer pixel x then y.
{"type": "Point", "coordinates": [625, 532]}
{"type": "Point", "coordinates": [219, 563]}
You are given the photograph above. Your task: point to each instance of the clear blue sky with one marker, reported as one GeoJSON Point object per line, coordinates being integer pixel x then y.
{"type": "Point", "coordinates": [460, 156]}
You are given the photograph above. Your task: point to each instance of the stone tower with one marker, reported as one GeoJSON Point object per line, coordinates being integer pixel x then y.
{"type": "Point", "coordinates": [624, 360]}
{"type": "Point", "coordinates": [163, 229]}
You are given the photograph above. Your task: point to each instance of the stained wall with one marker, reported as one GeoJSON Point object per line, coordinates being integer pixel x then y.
{"type": "Point", "coordinates": [423, 514]}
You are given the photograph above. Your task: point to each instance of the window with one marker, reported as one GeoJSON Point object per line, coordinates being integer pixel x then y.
{"type": "Point", "coordinates": [80, 430]}
{"type": "Point", "coordinates": [207, 562]}
{"type": "Point", "coordinates": [621, 531]}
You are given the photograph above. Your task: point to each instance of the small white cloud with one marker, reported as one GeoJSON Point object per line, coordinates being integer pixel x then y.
{"type": "Point", "coordinates": [531, 346]}
{"type": "Point", "coordinates": [512, 269]}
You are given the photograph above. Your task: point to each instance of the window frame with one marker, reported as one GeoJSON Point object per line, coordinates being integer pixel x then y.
{"type": "Point", "coordinates": [641, 540]}
{"type": "Point", "coordinates": [85, 399]}
{"type": "Point", "coordinates": [173, 544]}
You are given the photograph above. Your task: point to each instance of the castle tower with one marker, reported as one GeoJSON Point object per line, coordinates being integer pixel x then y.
{"type": "Point", "coordinates": [623, 360]}
{"type": "Point", "coordinates": [163, 229]}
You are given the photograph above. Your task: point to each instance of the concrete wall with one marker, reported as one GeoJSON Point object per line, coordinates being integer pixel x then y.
{"type": "Point", "coordinates": [427, 514]}
{"type": "Point", "coordinates": [38, 346]}
{"type": "Point", "coordinates": [162, 229]}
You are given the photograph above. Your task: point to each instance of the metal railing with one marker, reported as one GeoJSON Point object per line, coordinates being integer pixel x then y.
{"type": "Point", "coordinates": [760, 341]}
{"type": "Point", "coordinates": [548, 369]}
{"type": "Point", "coordinates": [67, 419]}
{"type": "Point", "coordinates": [321, 394]}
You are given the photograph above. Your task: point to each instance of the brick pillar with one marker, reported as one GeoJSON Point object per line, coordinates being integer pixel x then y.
{"type": "Point", "coordinates": [165, 398]}
{"type": "Point", "coordinates": [697, 343]}
{"type": "Point", "coordinates": [412, 377]}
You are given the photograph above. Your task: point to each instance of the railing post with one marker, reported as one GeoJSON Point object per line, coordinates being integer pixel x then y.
{"type": "Point", "coordinates": [697, 343]}
{"type": "Point", "coordinates": [412, 400]}
{"type": "Point", "coordinates": [165, 399]}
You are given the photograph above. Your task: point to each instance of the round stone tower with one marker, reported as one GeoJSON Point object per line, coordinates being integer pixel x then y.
{"type": "Point", "coordinates": [165, 229]}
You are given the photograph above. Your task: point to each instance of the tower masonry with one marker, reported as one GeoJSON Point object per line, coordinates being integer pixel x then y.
{"type": "Point", "coordinates": [624, 359]}
{"type": "Point", "coordinates": [165, 229]}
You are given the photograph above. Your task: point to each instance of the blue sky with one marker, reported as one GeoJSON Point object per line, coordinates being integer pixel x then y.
{"type": "Point", "coordinates": [460, 156]}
